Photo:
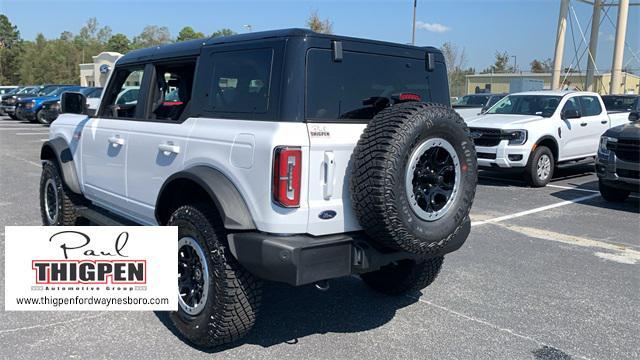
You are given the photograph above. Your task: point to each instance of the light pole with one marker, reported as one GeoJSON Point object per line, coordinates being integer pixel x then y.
{"type": "Point", "coordinates": [413, 33]}
{"type": "Point", "coordinates": [515, 63]}
{"type": "Point", "coordinates": [248, 27]}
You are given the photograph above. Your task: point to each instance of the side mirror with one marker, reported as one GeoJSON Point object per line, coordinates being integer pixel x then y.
{"type": "Point", "coordinates": [571, 114]}
{"type": "Point", "coordinates": [73, 103]}
{"type": "Point", "coordinates": [634, 116]}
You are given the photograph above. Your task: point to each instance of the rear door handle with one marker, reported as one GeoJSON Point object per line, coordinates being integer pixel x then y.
{"type": "Point", "coordinates": [169, 148]}
{"type": "Point", "coordinates": [329, 169]}
{"type": "Point", "coordinates": [116, 141]}
{"type": "Point", "coordinates": [583, 124]}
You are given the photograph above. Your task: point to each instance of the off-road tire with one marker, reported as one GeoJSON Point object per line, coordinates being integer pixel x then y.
{"type": "Point", "coordinates": [380, 161]}
{"type": "Point", "coordinates": [611, 193]}
{"type": "Point", "coordinates": [531, 169]}
{"type": "Point", "coordinates": [405, 276]}
{"type": "Point", "coordinates": [66, 203]}
{"type": "Point", "coordinates": [234, 295]}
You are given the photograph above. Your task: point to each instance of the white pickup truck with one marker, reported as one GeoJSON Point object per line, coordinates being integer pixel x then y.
{"type": "Point", "coordinates": [536, 131]}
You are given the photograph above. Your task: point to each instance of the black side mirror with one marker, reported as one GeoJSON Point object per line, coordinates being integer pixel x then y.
{"type": "Point", "coordinates": [571, 114]}
{"type": "Point", "coordinates": [73, 103]}
{"type": "Point", "coordinates": [634, 116]}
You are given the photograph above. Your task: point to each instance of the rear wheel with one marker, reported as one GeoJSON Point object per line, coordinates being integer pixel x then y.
{"type": "Point", "coordinates": [405, 276]}
{"type": "Point", "coordinates": [218, 299]}
{"type": "Point", "coordinates": [613, 194]}
{"type": "Point", "coordinates": [540, 167]}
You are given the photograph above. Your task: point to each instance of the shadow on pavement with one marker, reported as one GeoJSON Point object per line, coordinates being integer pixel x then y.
{"type": "Point", "coordinates": [289, 313]}
{"type": "Point", "coordinates": [631, 205]}
{"type": "Point", "coordinates": [512, 177]}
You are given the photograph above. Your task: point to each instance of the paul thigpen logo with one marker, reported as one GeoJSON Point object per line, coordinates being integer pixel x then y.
{"type": "Point", "coordinates": [117, 269]}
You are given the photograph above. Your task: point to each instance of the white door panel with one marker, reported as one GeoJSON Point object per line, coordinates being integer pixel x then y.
{"type": "Point", "coordinates": [104, 156]}
{"type": "Point", "coordinates": [329, 182]}
{"type": "Point", "coordinates": [156, 151]}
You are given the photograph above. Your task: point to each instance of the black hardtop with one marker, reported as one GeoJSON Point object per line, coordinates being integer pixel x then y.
{"type": "Point", "coordinates": [193, 47]}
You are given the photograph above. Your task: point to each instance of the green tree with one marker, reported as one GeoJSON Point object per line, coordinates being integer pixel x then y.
{"type": "Point", "coordinates": [10, 51]}
{"type": "Point", "coordinates": [320, 26]}
{"type": "Point", "coordinates": [501, 64]}
{"type": "Point", "coordinates": [152, 35]}
{"type": "Point", "coordinates": [541, 66]}
{"type": "Point", "coordinates": [456, 60]}
{"type": "Point", "coordinates": [187, 33]}
{"type": "Point", "coordinates": [118, 43]}
{"type": "Point", "coordinates": [223, 32]}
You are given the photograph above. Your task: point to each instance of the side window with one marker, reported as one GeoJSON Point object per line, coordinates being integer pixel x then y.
{"type": "Point", "coordinates": [171, 93]}
{"type": "Point", "coordinates": [241, 81]}
{"type": "Point", "coordinates": [590, 106]}
{"type": "Point", "coordinates": [571, 104]}
{"type": "Point", "coordinates": [122, 99]}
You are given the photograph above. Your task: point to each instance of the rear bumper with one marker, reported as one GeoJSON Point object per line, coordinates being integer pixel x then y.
{"type": "Point", "coordinates": [305, 259]}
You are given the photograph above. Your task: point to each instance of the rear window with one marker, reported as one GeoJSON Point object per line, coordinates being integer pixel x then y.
{"type": "Point", "coordinates": [619, 103]}
{"type": "Point", "coordinates": [360, 85]}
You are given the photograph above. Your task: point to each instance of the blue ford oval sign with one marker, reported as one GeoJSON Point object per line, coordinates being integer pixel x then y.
{"type": "Point", "coordinates": [104, 68]}
{"type": "Point", "coordinates": [327, 214]}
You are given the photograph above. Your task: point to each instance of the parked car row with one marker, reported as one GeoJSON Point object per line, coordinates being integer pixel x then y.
{"type": "Point", "coordinates": [41, 103]}
{"type": "Point", "coordinates": [535, 132]}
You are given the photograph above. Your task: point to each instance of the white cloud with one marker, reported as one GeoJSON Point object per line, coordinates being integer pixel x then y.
{"type": "Point", "coordinates": [433, 27]}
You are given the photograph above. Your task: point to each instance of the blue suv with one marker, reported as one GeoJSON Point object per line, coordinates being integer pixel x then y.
{"type": "Point", "coordinates": [29, 108]}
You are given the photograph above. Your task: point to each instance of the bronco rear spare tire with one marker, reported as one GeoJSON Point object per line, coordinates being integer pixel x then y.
{"type": "Point", "coordinates": [414, 177]}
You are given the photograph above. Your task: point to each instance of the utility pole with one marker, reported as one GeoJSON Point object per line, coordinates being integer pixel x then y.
{"type": "Point", "coordinates": [559, 53]}
{"type": "Point", "coordinates": [618, 49]}
{"type": "Point", "coordinates": [515, 63]}
{"type": "Point", "coordinates": [413, 33]}
{"type": "Point", "coordinates": [593, 44]}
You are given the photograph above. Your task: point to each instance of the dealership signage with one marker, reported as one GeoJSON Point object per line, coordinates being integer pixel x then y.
{"type": "Point", "coordinates": [91, 268]}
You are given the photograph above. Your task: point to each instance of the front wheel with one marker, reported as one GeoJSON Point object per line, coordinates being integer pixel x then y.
{"type": "Point", "coordinates": [404, 276]}
{"type": "Point", "coordinates": [41, 119]}
{"type": "Point", "coordinates": [613, 194]}
{"type": "Point", "coordinates": [218, 299]}
{"type": "Point", "coordinates": [540, 167]}
{"type": "Point", "coordinates": [57, 205]}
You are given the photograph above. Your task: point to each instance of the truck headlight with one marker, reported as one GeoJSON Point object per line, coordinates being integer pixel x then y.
{"type": "Point", "coordinates": [604, 140]}
{"type": "Point", "coordinates": [515, 137]}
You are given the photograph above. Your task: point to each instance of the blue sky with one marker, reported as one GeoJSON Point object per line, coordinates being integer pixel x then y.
{"type": "Point", "coordinates": [524, 28]}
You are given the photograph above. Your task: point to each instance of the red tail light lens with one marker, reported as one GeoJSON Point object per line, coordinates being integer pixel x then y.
{"type": "Point", "coordinates": [287, 167]}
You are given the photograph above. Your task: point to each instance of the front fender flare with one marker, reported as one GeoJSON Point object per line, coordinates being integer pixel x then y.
{"type": "Point", "coordinates": [229, 202]}
{"type": "Point", "coordinates": [57, 149]}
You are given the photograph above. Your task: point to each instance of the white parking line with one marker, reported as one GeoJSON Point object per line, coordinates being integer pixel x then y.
{"type": "Point", "coordinates": [23, 128]}
{"type": "Point", "coordinates": [533, 211]}
{"type": "Point", "coordinates": [31, 133]}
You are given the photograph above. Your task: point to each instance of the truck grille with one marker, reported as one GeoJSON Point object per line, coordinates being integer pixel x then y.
{"type": "Point", "coordinates": [626, 150]}
{"type": "Point", "coordinates": [485, 137]}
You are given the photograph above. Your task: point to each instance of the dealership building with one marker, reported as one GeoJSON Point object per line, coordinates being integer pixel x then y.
{"type": "Point", "coordinates": [499, 83]}
{"type": "Point", "coordinates": [97, 72]}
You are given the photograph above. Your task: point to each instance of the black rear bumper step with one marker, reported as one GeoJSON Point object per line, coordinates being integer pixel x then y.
{"type": "Point", "coordinates": [304, 259]}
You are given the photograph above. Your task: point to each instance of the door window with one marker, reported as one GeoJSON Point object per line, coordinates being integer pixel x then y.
{"type": "Point", "coordinates": [590, 106]}
{"type": "Point", "coordinates": [171, 92]}
{"type": "Point", "coordinates": [571, 104]}
{"type": "Point", "coordinates": [122, 98]}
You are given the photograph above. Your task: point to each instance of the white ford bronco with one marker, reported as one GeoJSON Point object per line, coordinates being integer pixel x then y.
{"type": "Point", "coordinates": [286, 156]}
{"type": "Point", "coordinates": [536, 131]}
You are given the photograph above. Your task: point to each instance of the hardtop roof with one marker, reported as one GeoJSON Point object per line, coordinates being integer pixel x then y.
{"type": "Point", "coordinates": [192, 47]}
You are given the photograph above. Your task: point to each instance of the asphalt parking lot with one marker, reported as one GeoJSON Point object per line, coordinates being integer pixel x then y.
{"type": "Point", "coordinates": [550, 273]}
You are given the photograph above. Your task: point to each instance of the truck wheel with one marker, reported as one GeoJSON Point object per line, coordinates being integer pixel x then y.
{"type": "Point", "coordinates": [57, 205]}
{"type": "Point", "coordinates": [611, 193]}
{"type": "Point", "coordinates": [41, 119]}
{"type": "Point", "coordinates": [414, 177]}
{"type": "Point", "coordinates": [218, 299]}
{"type": "Point", "coordinates": [405, 276]}
{"type": "Point", "coordinates": [539, 169]}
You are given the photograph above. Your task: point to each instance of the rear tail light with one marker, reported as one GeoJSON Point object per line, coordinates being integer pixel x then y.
{"type": "Point", "coordinates": [287, 164]}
